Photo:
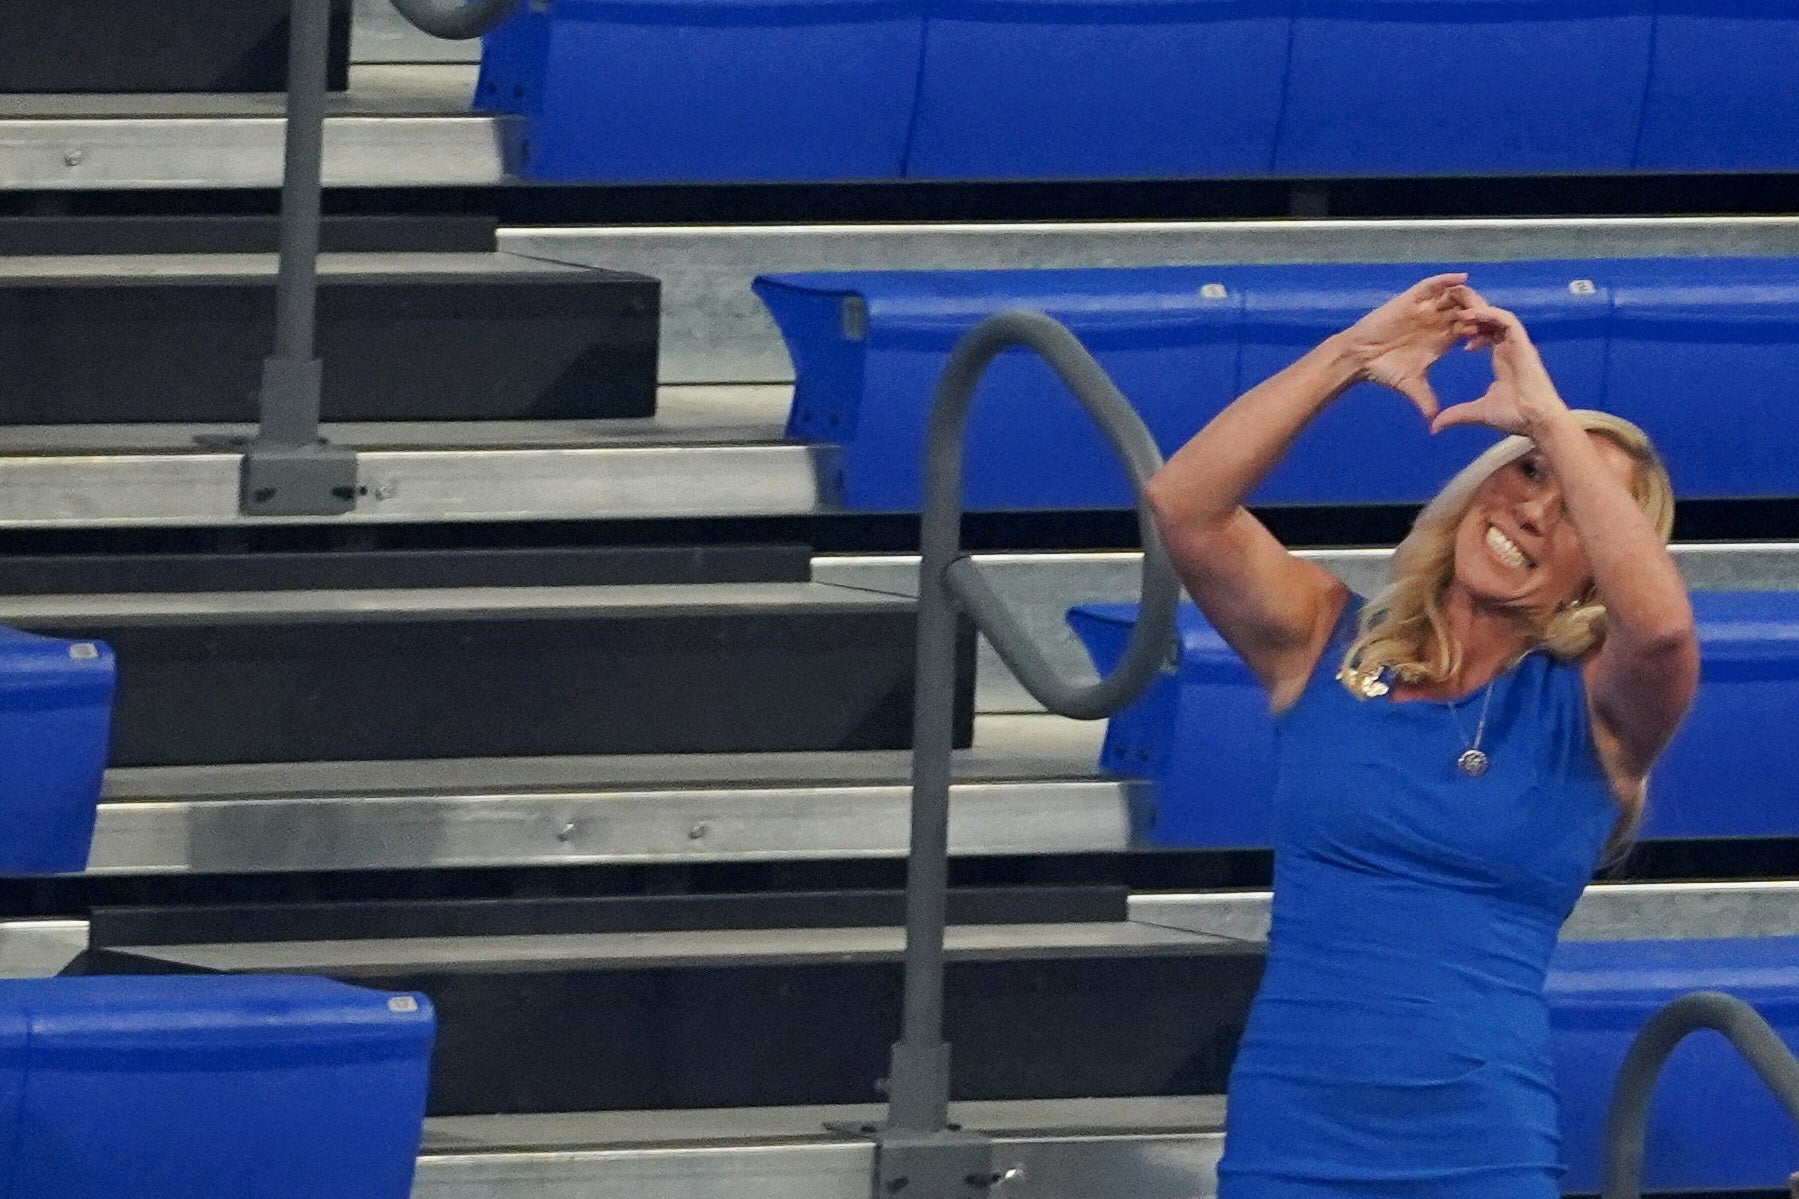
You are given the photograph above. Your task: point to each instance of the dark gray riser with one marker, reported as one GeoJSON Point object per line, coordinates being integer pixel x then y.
{"type": "Point", "coordinates": [155, 46]}
{"type": "Point", "coordinates": [575, 566]}
{"type": "Point", "coordinates": [757, 1019]}
{"type": "Point", "coordinates": [504, 672]}
{"type": "Point", "coordinates": [100, 339]}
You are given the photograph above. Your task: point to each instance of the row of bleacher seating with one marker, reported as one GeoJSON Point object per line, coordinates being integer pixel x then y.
{"type": "Point", "coordinates": [786, 90]}
{"type": "Point", "coordinates": [1703, 353]}
{"type": "Point", "coordinates": [1203, 735]}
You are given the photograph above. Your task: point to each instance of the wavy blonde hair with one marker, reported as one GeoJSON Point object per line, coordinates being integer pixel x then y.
{"type": "Point", "coordinates": [1404, 626]}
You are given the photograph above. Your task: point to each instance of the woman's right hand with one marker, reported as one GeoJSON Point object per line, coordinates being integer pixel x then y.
{"type": "Point", "coordinates": [1396, 344]}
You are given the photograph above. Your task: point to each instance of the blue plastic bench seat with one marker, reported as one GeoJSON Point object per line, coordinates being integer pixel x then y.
{"type": "Point", "coordinates": [1203, 734]}
{"type": "Point", "coordinates": [55, 725]}
{"type": "Point", "coordinates": [277, 1087]}
{"type": "Point", "coordinates": [1661, 341]}
{"type": "Point", "coordinates": [786, 90]}
{"type": "Point", "coordinates": [653, 91]}
{"type": "Point", "coordinates": [1723, 95]}
{"type": "Point", "coordinates": [1539, 85]}
{"type": "Point", "coordinates": [1713, 1126]}
{"type": "Point", "coordinates": [1033, 89]}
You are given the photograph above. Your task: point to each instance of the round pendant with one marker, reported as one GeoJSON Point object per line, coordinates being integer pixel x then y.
{"type": "Point", "coordinates": [1472, 763]}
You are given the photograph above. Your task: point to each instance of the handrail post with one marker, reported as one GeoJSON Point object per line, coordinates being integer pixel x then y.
{"type": "Point", "coordinates": [917, 1151]}
{"type": "Point", "coordinates": [288, 469]}
{"type": "Point", "coordinates": [1627, 1120]}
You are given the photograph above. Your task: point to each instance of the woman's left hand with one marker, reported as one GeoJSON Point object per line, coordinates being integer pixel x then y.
{"type": "Point", "coordinates": [1522, 397]}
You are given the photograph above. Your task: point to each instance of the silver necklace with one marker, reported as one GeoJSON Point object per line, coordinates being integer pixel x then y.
{"type": "Point", "coordinates": [1474, 761]}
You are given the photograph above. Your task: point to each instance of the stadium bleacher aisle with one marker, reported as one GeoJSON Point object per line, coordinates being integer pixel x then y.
{"type": "Point", "coordinates": [585, 733]}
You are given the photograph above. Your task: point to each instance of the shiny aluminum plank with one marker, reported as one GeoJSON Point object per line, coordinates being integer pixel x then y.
{"type": "Point", "coordinates": [715, 330]}
{"type": "Point", "coordinates": [1152, 1148]}
{"type": "Point", "coordinates": [1043, 587]}
{"type": "Point", "coordinates": [444, 603]}
{"type": "Point", "coordinates": [398, 126]}
{"type": "Point", "coordinates": [39, 948]}
{"type": "Point", "coordinates": [1028, 787]}
{"type": "Point", "coordinates": [707, 947]}
{"type": "Point", "coordinates": [709, 451]}
{"type": "Point", "coordinates": [1606, 912]}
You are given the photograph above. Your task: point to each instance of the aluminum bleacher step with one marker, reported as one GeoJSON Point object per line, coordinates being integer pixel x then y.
{"type": "Point", "coordinates": [1028, 786]}
{"type": "Point", "coordinates": [712, 451]}
{"type": "Point", "coordinates": [1131, 1148]}
{"type": "Point", "coordinates": [406, 125]}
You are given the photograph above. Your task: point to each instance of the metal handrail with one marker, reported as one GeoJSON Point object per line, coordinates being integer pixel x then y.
{"type": "Point", "coordinates": [456, 20]}
{"type": "Point", "coordinates": [919, 1080]}
{"type": "Point", "coordinates": [1627, 1120]}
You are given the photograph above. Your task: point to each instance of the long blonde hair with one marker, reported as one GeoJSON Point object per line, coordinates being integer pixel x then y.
{"type": "Point", "coordinates": [1404, 626]}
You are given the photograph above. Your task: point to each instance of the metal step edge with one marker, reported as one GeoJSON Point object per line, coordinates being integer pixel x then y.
{"type": "Point", "coordinates": [397, 126]}
{"type": "Point", "coordinates": [1149, 1148]}
{"type": "Point", "coordinates": [1160, 925]}
{"type": "Point", "coordinates": [703, 949]}
{"type": "Point", "coordinates": [617, 601]}
{"type": "Point", "coordinates": [1606, 911]}
{"type": "Point", "coordinates": [196, 488]}
{"type": "Point", "coordinates": [151, 270]}
{"type": "Point", "coordinates": [39, 948]}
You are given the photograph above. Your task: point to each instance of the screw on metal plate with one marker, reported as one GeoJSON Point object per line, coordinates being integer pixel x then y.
{"type": "Point", "coordinates": [1582, 287]}
{"type": "Point", "coordinates": [567, 832]}
{"type": "Point", "coordinates": [84, 651]}
{"type": "Point", "coordinates": [387, 489]}
{"type": "Point", "coordinates": [73, 158]}
{"type": "Point", "coordinates": [698, 832]}
{"type": "Point", "coordinates": [1214, 291]}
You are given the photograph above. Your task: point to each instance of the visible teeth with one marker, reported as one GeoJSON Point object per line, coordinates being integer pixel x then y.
{"type": "Point", "coordinates": [1506, 549]}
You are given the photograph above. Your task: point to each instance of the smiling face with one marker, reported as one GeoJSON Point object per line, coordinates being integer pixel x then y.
{"type": "Point", "coordinates": [1515, 546]}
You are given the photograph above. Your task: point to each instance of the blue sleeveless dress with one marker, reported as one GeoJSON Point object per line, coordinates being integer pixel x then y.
{"type": "Point", "coordinates": [1399, 1042]}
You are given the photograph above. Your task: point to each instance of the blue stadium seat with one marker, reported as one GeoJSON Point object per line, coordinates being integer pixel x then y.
{"type": "Point", "coordinates": [1705, 355]}
{"type": "Point", "coordinates": [1111, 89]}
{"type": "Point", "coordinates": [1464, 87]}
{"type": "Point", "coordinates": [277, 1087]}
{"type": "Point", "coordinates": [55, 724]}
{"type": "Point", "coordinates": [868, 348]}
{"type": "Point", "coordinates": [1688, 348]}
{"type": "Point", "coordinates": [1713, 1126]}
{"type": "Point", "coordinates": [708, 90]}
{"type": "Point", "coordinates": [1203, 735]}
{"type": "Point", "coordinates": [1723, 95]}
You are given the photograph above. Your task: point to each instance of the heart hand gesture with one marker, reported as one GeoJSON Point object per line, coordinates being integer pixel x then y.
{"type": "Point", "coordinates": [1522, 396]}
{"type": "Point", "coordinates": [1396, 344]}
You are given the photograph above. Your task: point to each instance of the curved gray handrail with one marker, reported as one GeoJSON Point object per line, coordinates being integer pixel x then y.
{"type": "Point", "coordinates": [1627, 1120]}
{"type": "Point", "coordinates": [940, 539]}
{"type": "Point", "coordinates": [456, 20]}
{"type": "Point", "coordinates": [919, 1079]}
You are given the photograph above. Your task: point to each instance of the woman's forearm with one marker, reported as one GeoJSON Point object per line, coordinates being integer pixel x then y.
{"type": "Point", "coordinates": [1206, 482]}
{"type": "Point", "coordinates": [1646, 601]}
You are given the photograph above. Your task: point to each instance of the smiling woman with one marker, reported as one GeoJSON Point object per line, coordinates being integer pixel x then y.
{"type": "Point", "coordinates": [1454, 757]}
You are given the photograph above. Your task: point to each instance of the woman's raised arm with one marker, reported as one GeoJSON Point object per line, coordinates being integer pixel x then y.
{"type": "Point", "coordinates": [1645, 673]}
{"type": "Point", "coordinates": [1274, 609]}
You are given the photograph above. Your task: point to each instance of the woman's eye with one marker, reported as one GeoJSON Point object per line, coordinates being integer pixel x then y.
{"type": "Point", "coordinates": [1532, 468]}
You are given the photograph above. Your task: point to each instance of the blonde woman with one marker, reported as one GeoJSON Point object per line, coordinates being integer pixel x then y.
{"type": "Point", "coordinates": [1456, 755]}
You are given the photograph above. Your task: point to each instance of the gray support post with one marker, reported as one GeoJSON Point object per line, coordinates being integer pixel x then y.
{"type": "Point", "coordinates": [917, 1151]}
{"type": "Point", "coordinates": [1627, 1121]}
{"type": "Point", "coordinates": [289, 470]}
